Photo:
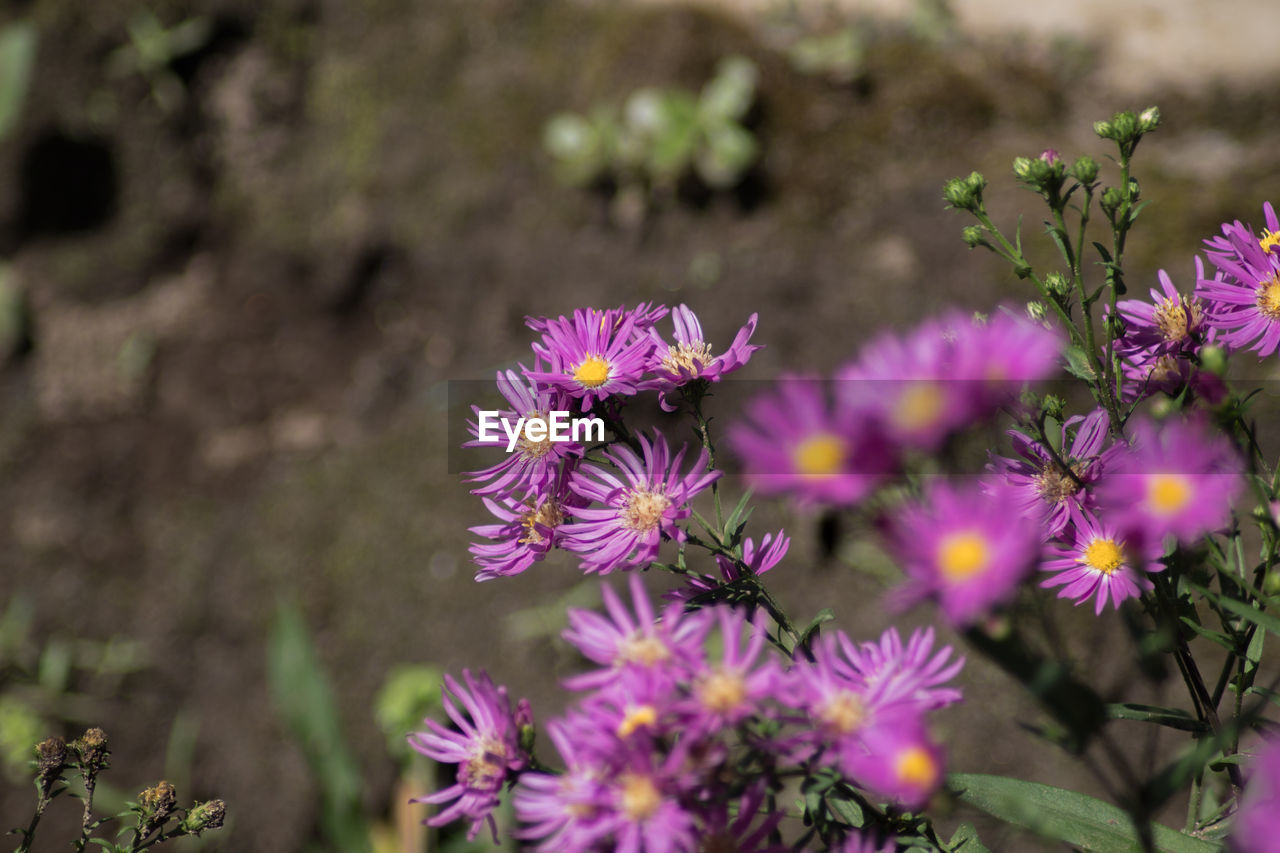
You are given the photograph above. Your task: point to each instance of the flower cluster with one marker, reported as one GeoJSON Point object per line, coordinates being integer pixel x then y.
{"type": "Point", "coordinates": [544, 494]}
{"type": "Point", "coordinates": [671, 746]}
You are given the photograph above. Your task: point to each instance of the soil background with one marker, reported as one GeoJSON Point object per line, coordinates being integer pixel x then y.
{"type": "Point", "coordinates": [247, 309]}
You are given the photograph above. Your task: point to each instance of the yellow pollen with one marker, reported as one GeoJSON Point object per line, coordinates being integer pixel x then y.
{"type": "Point", "coordinates": [1269, 241]}
{"type": "Point", "coordinates": [1168, 493]}
{"type": "Point", "coordinates": [820, 455]}
{"type": "Point", "coordinates": [592, 373]}
{"type": "Point", "coordinates": [844, 713]}
{"type": "Point", "coordinates": [637, 718]}
{"type": "Point", "coordinates": [1269, 297]}
{"type": "Point", "coordinates": [722, 691]}
{"type": "Point", "coordinates": [919, 406]}
{"type": "Point", "coordinates": [916, 767]}
{"type": "Point", "coordinates": [688, 357]}
{"type": "Point", "coordinates": [1164, 369]}
{"type": "Point", "coordinates": [487, 766]}
{"type": "Point", "coordinates": [534, 449]}
{"type": "Point", "coordinates": [1173, 321]}
{"type": "Point", "coordinates": [640, 797]}
{"type": "Point", "coordinates": [963, 555]}
{"type": "Point", "coordinates": [547, 514]}
{"type": "Point", "coordinates": [1054, 484]}
{"type": "Point", "coordinates": [643, 649]}
{"type": "Point", "coordinates": [1104, 555]}
{"type": "Point", "coordinates": [643, 509]}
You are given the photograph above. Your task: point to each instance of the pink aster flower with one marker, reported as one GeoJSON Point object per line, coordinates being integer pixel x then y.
{"type": "Point", "coordinates": [593, 356]}
{"type": "Point", "coordinates": [561, 809]}
{"type": "Point", "coordinates": [486, 749]}
{"type": "Point", "coordinates": [1178, 478]}
{"type": "Point", "coordinates": [626, 531]}
{"type": "Point", "coordinates": [755, 560]}
{"type": "Point", "coordinates": [1170, 324]}
{"type": "Point", "coordinates": [744, 829]}
{"type": "Point", "coordinates": [1098, 562]}
{"type": "Point", "coordinates": [895, 672]}
{"type": "Point", "coordinates": [690, 358]}
{"type": "Point", "coordinates": [1257, 825]}
{"type": "Point", "coordinates": [670, 646]}
{"type": "Point", "coordinates": [899, 762]}
{"type": "Point", "coordinates": [793, 442]}
{"type": "Point", "coordinates": [532, 465]}
{"type": "Point", "coordinates": [1243, 302]}
{"type": "Point", "coordinates": [640, 805]}
{"type": "Point", "coordinates": [1001, 355]}
{"type": "Point", "coordinates": [527, 530]}
{"type": "Point", "coordinates": [1043, 490]}
{"type": "Point", "coordinates": [725, 692]}
{"type": "Point", "coordinates": [966, 549]}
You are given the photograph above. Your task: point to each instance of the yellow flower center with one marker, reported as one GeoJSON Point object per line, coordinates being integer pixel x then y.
{"type": "Point", "coordinates": [640, 797]}
{"type": "Point", "coordinates": [1269, 297]}
{"type": "Point", "coordinates": [919, 406]}
{"type": "Point", "coordinates": [963, 555]}
{"type": "Point", "coordinates": [1173, 320]}
{"type": "Point", "coordinates": [1269, 241]}
{"type": "Point", "coordinates": [844, 713]}
{"type": "Point", "coordinates": [487, 766]}
{"type": "Point", "coordinates": [637, 718]}
{"type": "Point", "coordinates": [644, 649]}
{"type": "Point", "coordinates": [1104, 555]}
{"type": "Point", "coordinates": [820, 455]}
{"type": "Point", "coordinates": [722, 691]}
{"type": "Point", "coordinates": [689, 357]}
{"type": "Point", "coordinates": [643, 509]}
{"type": "Point", "coordinates": [592, 373]}
{"type": "Point", "coordinates": [534, 449]}
{"type": "Point", "coordinates": [547, 514]}
{"type": "Point", "coordinates": [915, 767]}
{"type": "Point", "coordinates": [1168, 494]}
{"type": "Point", "coordinates": [1056, 485]}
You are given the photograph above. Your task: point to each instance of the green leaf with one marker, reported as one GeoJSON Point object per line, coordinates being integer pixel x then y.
{"type": "Point", "coordinates": [824, 615]}
{"type": "Point", "coordinates": [1270, 695]}
{"type": "Point", "coordinates": [1174, 718]}
{"type": "Point", "coordinates": [965, 840]}
{"type": "Point", "coordinates": [1209, 634]}
{"type": "Point", "coordinates": [1077, 819]}
{"type": "Point", "coordinates": [1243, 610]}
{"type": "Point", "coordinates": [17, 56]}
{"type": "Point", "coordinates": [728, 95]}
{"type": "Point", "coordinates": [729, 152]}
{"type": "Point", "coordinates": [1079, 364]}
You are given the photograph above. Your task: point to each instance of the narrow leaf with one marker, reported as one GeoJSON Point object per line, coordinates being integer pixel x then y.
{"type": "Point", "coordinates": [1174, 718]}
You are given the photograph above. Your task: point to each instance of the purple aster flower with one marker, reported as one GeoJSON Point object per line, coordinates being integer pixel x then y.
{"type": "Point", "coordinates": [1179, 478]}
{"type": "Point", "coordinates": [1243, 302]}
{"type": "Point", "coordinates": [532, 465]}
{"type": "Point", "coordinates": [527, 531]}
{"type": "Point", "coordinates": [670, 646]}
{"type": "Point", "coordinates": [638, 510]}
{"type": "Point", "coordinates": [895, 672]}
{"type": "Point", "coordinates": [736, 829]}
{"type": "Point", "coordinates": [1170, 324]}
{"type": "Point", "coordinates": [643, 317]}
{"type": "Point", "coordinates": [965, 549]}
{"type": "Point", "coordinates": [1257, 825]}
{"type": "Point", "coordinates": [640, 805]}
{"type": "Point", "coordinates": [561, 809]}
{"type": "Point", "coordinates": [898, 762]}
{"type": "Point", "coordinates": [593, 356]}
{"type": "Point", "coordinates": [793, 442]}
{"type": "Point", "coordinates": [690, 358]}
{"type": "Point", "coordinates": [757, 561]}
{"type": "Point", "coordinates": [1001, 355]}
{"type": "Point", "coordinates": [486, 749]}
{"type": "Point", "coordinates": [1098, 562]}
{"type": "Point", "coordinates": [724, 693]}
{"type": "Point", "coordinates": [1043, 490]}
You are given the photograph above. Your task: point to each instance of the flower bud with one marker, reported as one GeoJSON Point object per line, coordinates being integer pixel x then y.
{"type": "Point", "coordinates": [204, 816]}
{"type": "Point", "coordinates": [965, 193]}
{"type": "Point", "coordinates": [1271, 585]}
{"type": "Point", "coordinates": [1057, 285]}
{"type": "Point", "coordinates": [1050, 156]}
{"type": "Point", "coordinates": [1037, 311]}
{"type": "Point", "coordinates": [1149, 119]}
{"type": "Point", "coordinates": [1054, 406]}
{"type": "Point", "coordinates": [974, 236]}
{"type": "Point", "coordinates": [1110, 200]}
{"type": "Point", "coordinates": [1103, 129]}
{"type": "Point", "coordinates": [155, 805]}
{"type": "Point", "coordinates": [1213, 358]}
{"type": "Point", "coordinates": [1085, 169]}
{"type": "Point", "coordinates": [1022, 168]}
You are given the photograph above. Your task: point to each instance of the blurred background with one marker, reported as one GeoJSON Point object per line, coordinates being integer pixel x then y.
{"type": "Point", "coordinates": [245, 247]}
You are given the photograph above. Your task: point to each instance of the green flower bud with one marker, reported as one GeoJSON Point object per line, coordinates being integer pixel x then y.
{"type": "Point", "coordinates": [974, 236]}
{"type": "Point", "coordinates": [1213, 358]}
{"type": "Point", "coordinates": [204, 816]}
{"type": "Point", "coordinates": [1111, 199]}
{"type": "Point", "coordinates": [1085, 169]}
{"type": "Point", "coordinates": [1149, 119]}
{"type": "Point", "coordinates": [1054, 406]}
{"type": "Point", "coordinates": [1022, 168]}
{"type": "Point", "coordinates": [965, 193]}
{"type": "Point", "coordinates": [1057, 285]}
{"type": "Point", "coordinates": [1271, 585]}
{"type": "Point", "coordinates": [1104, 129]}
{"type": "Point", "coordinates": [1037, 311]}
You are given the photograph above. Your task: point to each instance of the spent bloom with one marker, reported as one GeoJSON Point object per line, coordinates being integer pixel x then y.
{"type": "Point", "coordinates": [792, 441]}
{"type": "Point", "coordinates": [1178, 478]}
{"type": "Point", "coordinates": [636, 511]}
{"type": "Point", "coordinates": [966, 549]}
{"type": "Point", "coordinates": [593, 355]}
{"type": "Point", "coordinates": [689, 357]}
{"type": "Point", "coordinates": [1243, 302]}
{"type": "Point", "coordinates": [1257, 824]}
{"type": "Point", "coordinates": [1096, 562]}
{"type": "Point", "coordinates": [486, 749]}
{"type": "Point", "coordinates": [1043, 490]}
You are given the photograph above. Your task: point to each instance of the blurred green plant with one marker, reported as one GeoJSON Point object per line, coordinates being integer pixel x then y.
{"type": "Point", "coordinates": [304, 700]}
{"type": "Point", "coordinates": [17, 58]}
{"type": "Point", "coordinates": [659, 138]}
{"type": "Point", "coordinates": [151, 51]}
{"type": "Point", "coordinates": [410, 694]}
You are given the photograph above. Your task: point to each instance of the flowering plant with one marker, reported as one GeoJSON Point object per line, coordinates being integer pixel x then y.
{"type": "Point", "coordinates": [717, 722]}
